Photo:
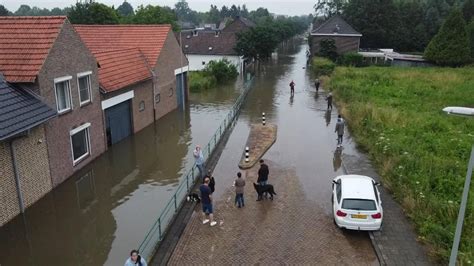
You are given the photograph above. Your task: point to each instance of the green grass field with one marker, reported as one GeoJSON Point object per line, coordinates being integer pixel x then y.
{"type": "Point", "coordinates": [421, 152]}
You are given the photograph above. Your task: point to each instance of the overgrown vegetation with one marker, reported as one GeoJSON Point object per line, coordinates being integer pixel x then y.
{"type": "Point", "coordinates": [351, 59]}
{"type": "Point", "coordinates": [322, 66]}
{"type": "Point", "coordinates": [450, 47]}
{"type": "Point", "coordinates": [215, 72]}
{"type": "Point", "coordinates": [328, 49]}
{"type": "Point", "coordinates": [420, 152]}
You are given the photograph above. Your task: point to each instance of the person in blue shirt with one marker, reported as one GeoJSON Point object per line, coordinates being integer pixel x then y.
{"type": "Point", "coordinates": [206, 201]}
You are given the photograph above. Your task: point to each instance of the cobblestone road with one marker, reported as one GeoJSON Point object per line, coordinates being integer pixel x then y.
{"type": "Point", "coordinates": [289, 230]}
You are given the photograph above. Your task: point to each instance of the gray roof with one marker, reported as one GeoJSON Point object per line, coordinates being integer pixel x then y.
{"type": "Point", "coordinates": [335, 25]}
{"type": "Point", "coordinates": [20, 110]}
{"type": "Point", "coordinates": [209, 43]}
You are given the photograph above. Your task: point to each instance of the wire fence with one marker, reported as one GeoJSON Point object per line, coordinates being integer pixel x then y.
{"type": "Point", "coordinates": [156, 233]}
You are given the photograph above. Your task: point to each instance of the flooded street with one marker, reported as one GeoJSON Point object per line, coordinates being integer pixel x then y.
{"type": "Point", "coordinates": [97, 216]}
{"type": "Point", "coordinates": [100, 214]}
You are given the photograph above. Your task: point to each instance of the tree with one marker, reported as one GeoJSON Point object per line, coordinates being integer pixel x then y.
{"type": "Point", "coordinates": [4, 11]}
{"type": "Point", "coordinates": [224, 12]}
{"type": "Point", "coordinates": [450, 46]}
{"type": "Point", "coordinates": [468, 10]}
{"type": "Point", "coordinates": [234, 11]}
{"type": "Point", "coordinates": [244, 12]}
{"type": "Point", "coordinates": [214, 15]}
{"type": "Point", "coordinates": [328, 8]}
{"type": "Point", "coordinates": [470, 33]}
{"type": "Point", "coordinates": [327, 48]}
{"type": "Point", "coordinates": [125, 9]}
{"type": "Point", "coordinates": [93, 13]}
{"type": "Point", "coordinates": [223, 70]}
{"type": "Point", "coordinates": [155, 15]}
{"type": "Point", "coordinates": [23, 10]}
{"type": "Point", "coordinates": [432, 20]}
{"type": "Point", "coordinates": [257, 43]}
{"type": "Point", "coordinates": [182, 10]}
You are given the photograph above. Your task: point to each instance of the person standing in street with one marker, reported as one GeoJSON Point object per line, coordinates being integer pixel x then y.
{"type": "Point", "coordinates": [239, 184]}
{"type": "Point", "coordinates": [212, 181]}
{"type": "Point", "coordinates": [329, 100]}
{"type": "Point", "coordinates": [206, 201]}
{"type": "Point", "coordinates": [316, 84]}
{"type": "Point", "coordinates": [199, 158]}
{"type": "Point", "coordinates": [292, 87]}
{"type": "Point", "coordinates": [339, 130]}
{"type": "Point", "coordinates": [135, 259]}
{"type": "Point", "coordinates": [263, 173]}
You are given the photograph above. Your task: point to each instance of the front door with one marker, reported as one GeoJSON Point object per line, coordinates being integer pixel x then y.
{"type": "Point", "coordinates": [118, 122]}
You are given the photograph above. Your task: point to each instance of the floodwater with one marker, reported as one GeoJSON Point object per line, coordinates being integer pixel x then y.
{"type": "Point", "coordinates": [97, 216]}
{"type": "Point", "coordinates": [306, 142]}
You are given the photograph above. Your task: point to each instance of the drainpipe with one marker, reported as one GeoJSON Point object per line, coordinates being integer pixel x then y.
{"type": "Point", "coordinates": [154, 81]}
{"type": "Point", "coordinates": [17, 178]}
{"type": "Point", "coordinates": [182, 73]}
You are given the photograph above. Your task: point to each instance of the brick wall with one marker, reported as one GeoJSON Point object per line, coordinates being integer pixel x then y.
{"type": "Point", "coordinates": [68, 57]}
{"type": "Point", "coordinates": [167, 62]}
{"type": "Point", "coordinates": [9, 207]}
{"type": "Point", "coordinates": [343, 44]}
{"type": "Point", "coordinates": [33, 165]}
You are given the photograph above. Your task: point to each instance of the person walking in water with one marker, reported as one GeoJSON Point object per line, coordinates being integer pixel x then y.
{"type": "Point", "coordinates": [339, 130]}
{"type": "Point", "coordinates": [199, 158]}
{"type": "Point", "coordinates": [329, 100]}
{"type": "Point", "coordinates": [239, 184]}
{"type": "Point", "coordinates": [135, 259]}
{"type": "Point", "coordinates": [206, 201]}
{"type": "Point", "coordinates": [316, 84]}
{"type": "Point", "coordinates": [292, 87]}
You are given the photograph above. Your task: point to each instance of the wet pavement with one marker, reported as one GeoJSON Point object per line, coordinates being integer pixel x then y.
{"type": "Point", "coordinates": [97, 216]}
{"type": "Point", "coordinates": [297, 227]}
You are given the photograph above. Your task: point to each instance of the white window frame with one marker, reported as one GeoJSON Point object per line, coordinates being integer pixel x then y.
{"type": "Point", "coordinates": [81, 75]}
{"type": "Point", "coordinates": [73, 132]}
{"type": "Point", "coordinates": [59, 80]}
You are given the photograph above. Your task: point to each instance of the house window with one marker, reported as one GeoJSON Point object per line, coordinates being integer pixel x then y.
{"type": "Point", "coordinates": [84, 84]}
{"type": "Point", "coordinates": [203, 63]}
{"type": "Point", "coordinates": [210, 48]}
{"type": "Point", "coordinates": [157, 98]}
{"type": "Point", "coordinates": [195, 33]}
{"type": "Point", "coordinates": [171, 92]}
{"type": "Point", "coordinates": [63, 94]}
{"type": "Point", "coordinates": [80, 143]}
{"type": "Point", "coordinates": [141, 106]}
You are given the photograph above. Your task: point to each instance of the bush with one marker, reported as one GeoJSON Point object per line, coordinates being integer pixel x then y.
{"type": "Point", "coordinates": [223, 70]}
{"type": "Point", "coordinates": [200, 80]}
{"type": "Point", "coordinates": [327, 48]}
{"type": "Point", "coordinates": [322, 66]}
{"type": "Point", "coordinates": [470, 33]}
{"type": "Point", "coordinates": [351, 59]}
{"type": "Point", "coordinates": [450, 47]}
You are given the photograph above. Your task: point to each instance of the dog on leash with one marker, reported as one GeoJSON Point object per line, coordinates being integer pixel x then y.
{"type": "Point", "coordinates": [264, 189]}
{"type": "Point", "coordinates": [194, 197]}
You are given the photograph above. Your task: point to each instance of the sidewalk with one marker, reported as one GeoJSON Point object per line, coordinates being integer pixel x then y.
{"type": "Point", "coordinates": [397, 243]}
{"type": "Point", "coordinates": [291, 229]}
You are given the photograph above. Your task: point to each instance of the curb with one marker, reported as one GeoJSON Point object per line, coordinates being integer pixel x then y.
{"type": "Point", "coordinates": [243, 165]}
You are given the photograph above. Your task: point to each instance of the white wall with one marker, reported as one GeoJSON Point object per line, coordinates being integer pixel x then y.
{"type": "Point", "coordinates": [196, 61]}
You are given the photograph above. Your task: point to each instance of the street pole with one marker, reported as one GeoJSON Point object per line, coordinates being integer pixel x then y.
{"type": "Point", "coordinates": [462, 211]}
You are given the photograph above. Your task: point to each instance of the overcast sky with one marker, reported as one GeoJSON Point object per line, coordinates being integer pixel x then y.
{"type": "Point", "coordinates": [283, 7]}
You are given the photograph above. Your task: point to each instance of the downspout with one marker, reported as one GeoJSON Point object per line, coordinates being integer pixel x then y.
{"type": "Point", "coordinates": [154, 81]}
{"type": "Point", "coordinates": [182, 73]}
{"type": "Point", "coordinates": [17, 178]}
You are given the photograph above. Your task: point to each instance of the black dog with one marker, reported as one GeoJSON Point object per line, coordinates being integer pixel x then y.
{"type": "Point", "coordinates": [194, 197]}
{"type": "Point", "coordinates": [264, 189]}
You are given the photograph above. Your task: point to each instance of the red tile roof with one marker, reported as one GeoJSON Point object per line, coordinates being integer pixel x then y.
{"type": "Point", "coordinates": [24, 45]}
{"type": "Point", "coordinates": [121, 68]}
{"type": "Point", "coordinates": [148, 38]}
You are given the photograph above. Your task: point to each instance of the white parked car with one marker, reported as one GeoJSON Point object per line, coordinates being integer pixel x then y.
{"type": "Point", "coordinates": [356, 203]}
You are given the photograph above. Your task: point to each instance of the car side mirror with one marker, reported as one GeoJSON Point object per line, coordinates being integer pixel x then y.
{"type": "Point", "coordinates": [334, 182]}
{"type": "Point", "coordinates": [377, 183]}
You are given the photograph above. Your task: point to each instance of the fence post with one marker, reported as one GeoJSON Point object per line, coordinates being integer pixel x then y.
{"type": "Point", "coordinates": [215, 142]}
{"type": "Point", "coordinates": [159, 227]}
{"type": "Point", "coordinates": [209, 149]}
{"type": "Point", "coordinates": [175, 204]}
{"type": "Point", "coordinates": [192, 171]}
{"type": "Point", "coordinates": [247, 154]}
{"type": "Point", "coordinates": [263, 118]}
{"type": "Point", "coordinates": [187, 183]}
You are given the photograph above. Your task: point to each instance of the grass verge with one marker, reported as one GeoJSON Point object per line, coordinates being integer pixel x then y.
{"type": "Point", "coordinates": [420, 152]}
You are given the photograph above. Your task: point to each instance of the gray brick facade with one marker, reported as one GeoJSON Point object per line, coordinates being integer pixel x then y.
{"type": "Point", "coordinates": [344, 44]}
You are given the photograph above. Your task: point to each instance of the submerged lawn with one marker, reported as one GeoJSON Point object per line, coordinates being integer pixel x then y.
{"type": "Point", "coordinates": [421, 153]}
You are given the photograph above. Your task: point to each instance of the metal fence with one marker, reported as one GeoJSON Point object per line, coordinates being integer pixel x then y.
{"type": "Point", "coordinates": [157, 231]}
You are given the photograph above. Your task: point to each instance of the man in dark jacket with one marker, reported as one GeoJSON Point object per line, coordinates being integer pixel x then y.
{"type": "Point", "coordinates": [212, 181]}
{"type": "Point", "coordinates": [339, 130]}
{"type": "Point", "coordinates": [316, 84]}
{"type": "Point", "coordinates": [263, 173]}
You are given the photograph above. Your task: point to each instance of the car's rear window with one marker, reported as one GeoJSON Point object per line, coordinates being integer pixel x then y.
{"type": "Point", "coordinates": [359, 204]}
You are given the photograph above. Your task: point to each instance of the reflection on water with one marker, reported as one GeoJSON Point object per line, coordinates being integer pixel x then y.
{"type": "Point", "coordinates": [97, 216]}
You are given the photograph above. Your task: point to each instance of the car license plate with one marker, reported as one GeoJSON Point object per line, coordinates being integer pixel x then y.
{"type": "Point", "coordinates": [359, 216]}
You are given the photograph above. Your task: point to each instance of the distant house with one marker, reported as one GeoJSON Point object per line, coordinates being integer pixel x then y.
{"type": "Point", "coordinates": [347, 39]}
{"type": "Point", "coordinates": [142, 74]}
{"type": "Point", "coordinates": [24, 166]}
{"type": "Point", "coordinates": [390, 57]}
{"type": "Point", "coordinates": [203, 46]}
{"type": "Point", "coordinates": [45, 56]}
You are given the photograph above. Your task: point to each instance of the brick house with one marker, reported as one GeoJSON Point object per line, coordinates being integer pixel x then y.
{"type": "Point", "coordinates": [47, 57]}
{"type": "Point", "coordinates": [24, 167]}
{"type": "Point", "coordinates": [142, 74]}
{"type": "Point", "coordinates": [346, 38]}
{"type": "Point", "coordinates": [203, 46]}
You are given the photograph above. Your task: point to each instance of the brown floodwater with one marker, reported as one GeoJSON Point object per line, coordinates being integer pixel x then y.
{"type": "Point", "coordinates": [99, 214]}
{"type": "Point", "coordinates": [102, 212]}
